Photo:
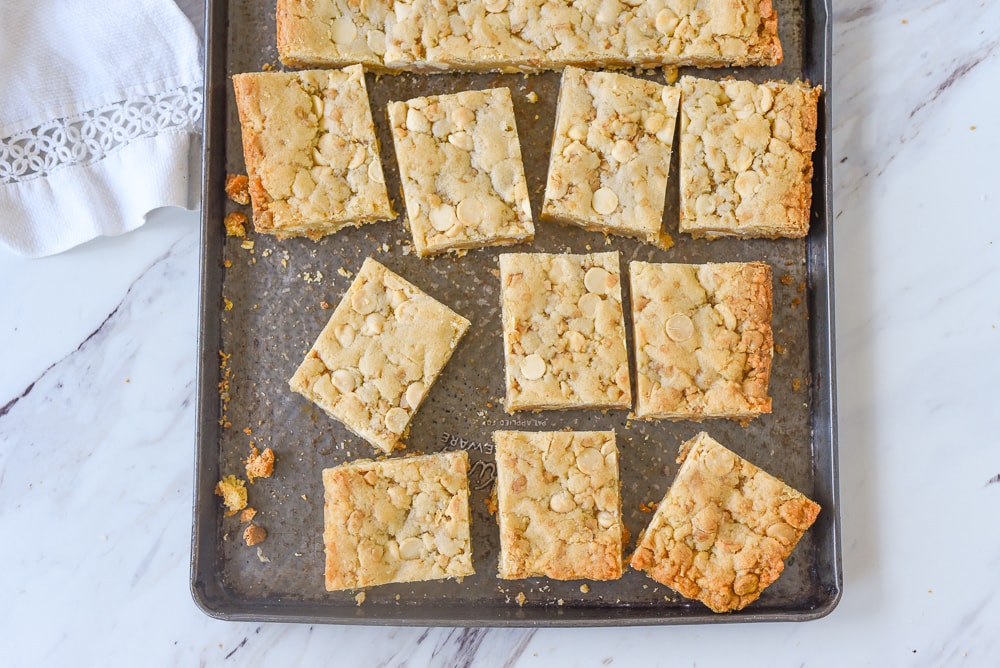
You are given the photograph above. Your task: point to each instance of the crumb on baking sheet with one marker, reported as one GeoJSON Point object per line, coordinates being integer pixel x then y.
{"type": "Point", "coordinates": [786, 279]}
{"type": "Point", "coordinates": [247, 514]}
{"type": "Point", "coordinates": [671, 74]}
{"type": "Point", "coordinates": [779, 349]}
{"type": "Point", "coordinates": [233, 492]}
{"type": "Point", "coordinates": [796, 384]}
{"type": "Point", "coordinates": [254, 534]}
{"type": "Point", "coordinates": [360, 598]}
{"type": "Point", "coordinates": [235, 223]}
{"type": "Point", "coordinates": [344, 272]}
{"type": "Point", "coordinates": [225, 373]}
{"type": "Point", "coordinates": [261, 557]}
{"type": "Point", "coordinates": [238, 188]}
{"type": "Point", "coordinates": [324, 305]}
{"type": "Point", "coordinates": [227, 304]}
{"type": "Point", "coordinates": [259, 464]}
{"type": "Point", "coordinates": [491, 502]}
{"type": "Point", "coordinates": [247, 245]}
{"type": "Point", "coordinates": [532, 97]}
{"type": "Point", "coordinates": [585, 588]}
{"type": "Point", "coordinates": [520, 598]}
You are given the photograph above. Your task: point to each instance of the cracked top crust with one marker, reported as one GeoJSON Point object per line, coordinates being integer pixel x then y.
{"type": "Point", "coordinates": [703, 340]}
{"type": "Point", "coordinates": [611, 153]}
{"type": "Point", "coordinates": [511, 35]}
{"type": "Point", "coordinates": [559, 505]}
{"type": "Point", "coordinates": [461, 171]}
{"type": "Point", "coordinates": [746, 158]}
{"type": "Point", "coordinates": [564, 331]}
{"type": "Point", "coordinates": [376, 359]}
{"type": "Point", "coordinates": [724, 529]}
{"type": "Point", "coordinates": [311, 151]}
{"type": "Point", "coordinates": [398, 520]}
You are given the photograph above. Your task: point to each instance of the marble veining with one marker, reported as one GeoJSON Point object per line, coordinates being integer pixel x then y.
{"type": "Point", "coordinates": [97, 418]}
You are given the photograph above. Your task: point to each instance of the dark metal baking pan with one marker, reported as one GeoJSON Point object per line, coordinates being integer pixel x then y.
{"type": "Point", "coordinates": [277, 290]}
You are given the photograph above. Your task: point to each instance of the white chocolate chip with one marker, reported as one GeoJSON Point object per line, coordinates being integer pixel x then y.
{"type": "Point", "coordinates": [622, 150]}
{"type": "Point", "coordinates": [605, 519]}
{"type": "Point", "coordinates": [374, 324]}
{"type": "Point", "coordinates": [376, 41]}
{"type": "Point", "coordinates": [562, 503]}
{"type": "Point", "coordinates": [319, 158]}
{"type": "Point", "coordinates": [604, 201]}
{"type": "Point", "coordinates": [416, 121]}
{"type": "Point", "coordinates": [358, 158]}
{"type": "Point", "coordinates": [396, 419]}
{"type": "Point", "coordinates": [470, 211]}
{"type": "Point", "coordinates": [679, 327]}
{"type": "Point", "coordinates": [343, 380]}
{"type": "Point", "coordinates": [411, 548]}
{"type": "Point", "coordinates": [588, 304]}
{"type": "Point", "coordinates": [654, 123]}
{"type": "Point", "coordinates": [533, 367]}
{"type": "Point", "coordinates": [597, 280]}
{"type": "Point", "coordinates": [494, 6]}
{"type": "Point", "coordinates": [364, 302]}
{"type": "Point", "coordinates": [462, 140]}
{"type": "Point", "coordinates": [318, 105]}
{"type": "Point", "coordinates": [343, 31]}
{"type": "Point", "coordinates": [578, 132]}
{"type": "Point", "coordinates": [414, 393]}
{"type": "Point", "coordinates": [345, 335]}
{"type": "Point", "coordinates": [463, 117]}
{"type": "Point", "coordinates": [375, 172]}
{"type": "Point", "coordinates": [443, 218]}
{"type": "Point", "coordinates": [590, 461]}
{"type": "Point", "coordinates": [666, 21]}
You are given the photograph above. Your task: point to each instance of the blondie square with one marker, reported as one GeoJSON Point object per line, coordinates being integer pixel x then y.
{"type": "Point", "coordinates": [559, 505]}
{"type": "Point", "coordinates": [461, 172]}
{"type": "Point", "coordinates": [332, 33]}
{"type": "Point", "coordinates": [397, 520]}
{"type": "Point", "coordinates": [611, 153]}
{"type": "Point", "coordinates": [703, 341]}
{"type": "Point", "coordinates": [311, 151]}
{"type": "Point", "coordinates": [746, 158]}
{"type": "Point", "coordinates": [724, 529]}
{"type": "Point", "coordinates": [563, 331]}
{"type": "Point", "coordinates": [376, 359]}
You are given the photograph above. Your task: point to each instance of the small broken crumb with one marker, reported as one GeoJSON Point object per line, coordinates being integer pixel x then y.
{"type": "Point", "coordinates": [786, 279]}
{"type": "Point", "coordinates": [343, 272]}
{"type": "Point", "coordinates": [260, 555]}
{"type": "Point", "coordinates": [238, 188]}
{"type": "Point", "coordinates": [520, 598]}
{"type": "Point", "coordinates": [796, 302]}
{"type": "Point", "coordinates": [491, 502]}
{"type": "Point", "coordinates": [360, 598]}
{"type": "Point", "coordinates": [235, 223]}
{"type": "Point", "coordinates": [560, 602]}
{"type": "Point", "coordinates": [227, 263]}
{"type": "Point", "coordinates": [324, 305]}
{"type": "Point", "coordinates": [780, 349]}
{"type": "Point", "coordinates": [585, 588]}
{"type": "Point", "coordinates": [254, 534]}
{"type": "Point", "coordinates": [671, 74]}
{"type": "Point", "coordinates": [260, 465]}
{"type": "Point", "coordinates": [234, 494]}
{"type": "Point", "coordinates": [247, 430]}
{"type": "Point", "coordinates": [532, 97]}
{"type": "Point", "coordinates": [796, 384]}
{"type": "Point", "coordinates": [247, 245]}
{"type": "Point", "coordinates": [226, 304]}
{"type": "Point", "coordinates": [247, 514]}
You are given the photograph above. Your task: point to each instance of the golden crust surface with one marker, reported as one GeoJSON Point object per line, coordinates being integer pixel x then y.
{"type": "Point", "coordinates": [311, 151]}
{"type": "Point", "coordinates": [611, 153]}
{"type": "Point", "coordinates": [526, 35]}
{"type": "Point", "coordinates": [703, 339]}
{"type": "Point", "coordinates": [559, 505]}
{"type": "Point", "coordinates": [379, 354]}
{"type": "Point", "coordinates": [461, 172]}
{"type": "Point", "coordinates": [397, 520]}
{"type": "Point", "coordinates": [564, 331]}
{"type": "Point", "coordinates": [724, 529]}
{"type": "Point", "coordinates": [746, 158]}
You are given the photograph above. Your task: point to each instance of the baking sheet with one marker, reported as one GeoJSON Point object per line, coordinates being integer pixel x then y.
{"type": "Point", "coordinates": [277, 291]}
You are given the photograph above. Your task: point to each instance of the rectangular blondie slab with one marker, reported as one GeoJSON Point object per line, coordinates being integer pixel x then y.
{"type": "Point", "coordinates": [311, 151]}
{"type": "Point", "coordinates": [611, 153]}
{"type": "Point", "coordinates": [563, 331]}
{"type": "Point", "coordinates": [526, 35]}
{"type": "Point", "coordinates": [703, 340]}
{"type": "Point", "coordinates": [378, 356]}
{"type": "Point", "coordinates": [559, 505]}
{"type": "Point", "coordinates": [461, 172]}
{"type": "Point", "coordinates": [724, 529]}
{"type": "Point", "coordinates": [398, 520]}
{"type": "Point", "coordinates": [746, 158]}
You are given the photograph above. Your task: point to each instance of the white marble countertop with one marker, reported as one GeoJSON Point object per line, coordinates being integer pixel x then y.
{"type": "Point", "coordinates": [97, 417]}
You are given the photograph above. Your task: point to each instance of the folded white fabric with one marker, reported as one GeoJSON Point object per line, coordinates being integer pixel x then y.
{"type": "Point", "coordinates": [100, 104]}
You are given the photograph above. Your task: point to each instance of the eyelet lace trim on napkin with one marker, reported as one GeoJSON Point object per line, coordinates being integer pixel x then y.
{"type": "Point", "coordinates": [89, 137]}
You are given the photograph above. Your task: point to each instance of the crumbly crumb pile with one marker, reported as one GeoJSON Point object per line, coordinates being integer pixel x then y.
{"type": "Point", "coordinates": [564, 331]}
{"type": "Point", "coordinates": [398, 520]}
{"type": "Point", "coordinates": [746, 158]}
{"type": "Point", "coordinates": [703, 339]}
{"type": "Point", "coordinates": [238, 188]}
{"type": "Point", "coordinates": [260, 464]}
{"type": "Point", "coordinates": [724, 529]}
{"type": "Point", "coordinates": [559, 505]}
{"type": "Point", "coordinates": [311, 151]}
{"type": "Point", "coordinates": [379, 354]}
{"type": "Point", "coordinates": [513, 35]}
{"type": "Point", "coordinates": [254, 534]}
{"type": "Point", "coordinates": [610, 153]}
{"type": "Point", "coordinates": [461, 172]}
{"type": "Point", "coordinates": [234, 494]}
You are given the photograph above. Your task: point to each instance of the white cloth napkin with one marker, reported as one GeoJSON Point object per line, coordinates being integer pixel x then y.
{"type": "Point", "coordinates": [100, 103]}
